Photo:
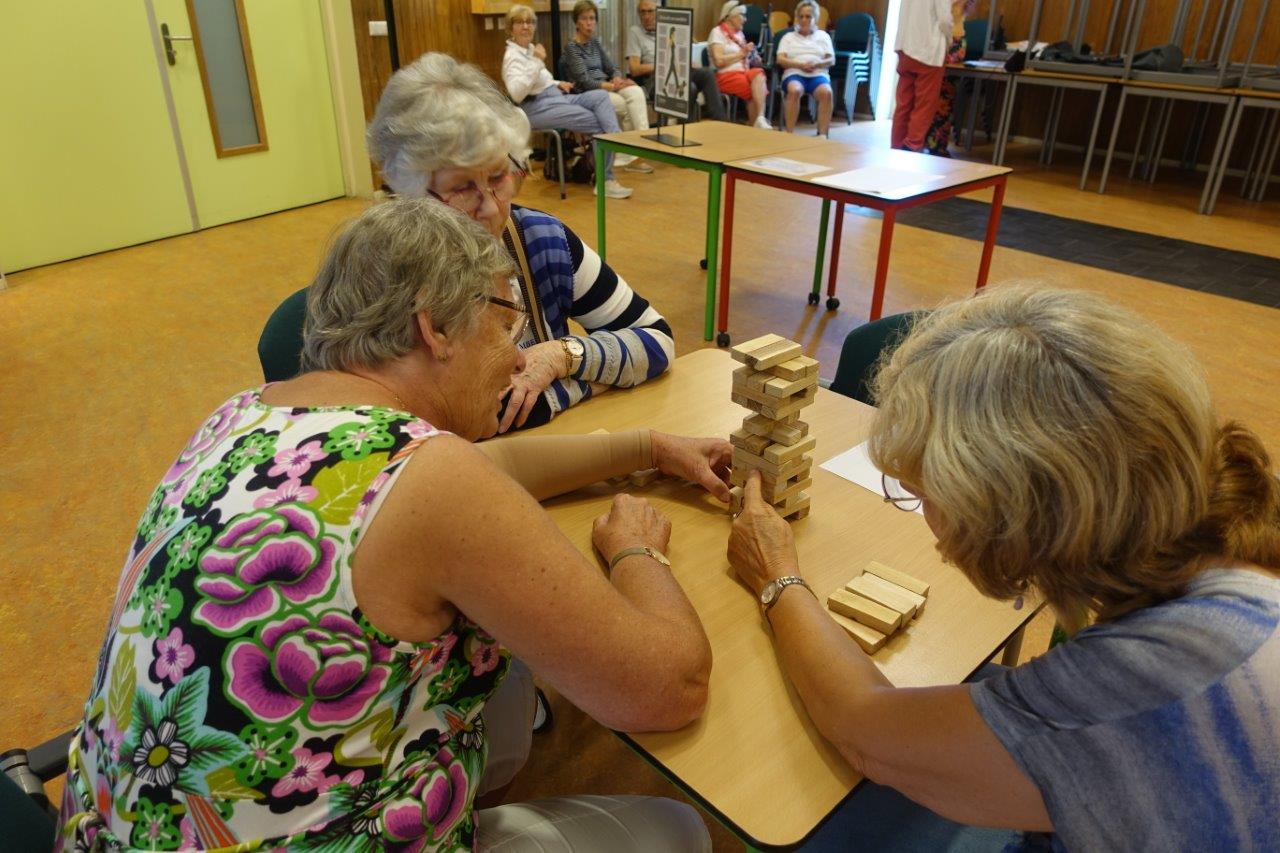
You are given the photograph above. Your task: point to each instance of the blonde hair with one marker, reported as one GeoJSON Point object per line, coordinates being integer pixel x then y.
{"type": "Point", "coordinates": [518, 13]}
{"type": "Point", "coordinates": [1068, 446]}
{"type": "Point", "coordinates": [398, 258]}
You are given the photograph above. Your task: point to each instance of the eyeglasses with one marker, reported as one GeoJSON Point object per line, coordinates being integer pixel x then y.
{"type": "Point", "coordinates": [899, 495]}
{"type": "Point", "coordinates": [518, 305]}
{"type": "Point", "coordinates": [502, 187]}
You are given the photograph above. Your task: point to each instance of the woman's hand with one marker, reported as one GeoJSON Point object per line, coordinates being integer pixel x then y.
{"type": "Point", "coordinates": [761, 547]}
{"type": "Point", "coordinates": [543, 363]}
{"type": "Point", "coordinates": [607, 85]}
{"type": "Point", "coordinates": [540, 52]}
{"type": "Point", "coordinates": [704, 461]}
{"type": "Point", "coordinates": [809, 65]}
{"type": "Point", "coordinates": [565, 86]}
{"type": "Point", "coordinates": [623, 82]}
{"type": "Point", "coordinates": [630, 522]}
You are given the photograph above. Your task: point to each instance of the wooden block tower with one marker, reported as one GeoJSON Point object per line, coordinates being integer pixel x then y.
{"type": "Point", "coordinates": [876, 604]}
{"type": "Point", "coordinates": [776, 382]}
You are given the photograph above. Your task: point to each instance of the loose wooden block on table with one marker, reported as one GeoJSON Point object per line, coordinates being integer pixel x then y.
{"type": "Point", "coordinates": [639, 479]}
{"type": "Point", "coordinates": [864, 610]}
{"type": "Point", "coordinates": [868, 638]}
{"type": "Point", "coordinates": [881, 591]}
{"type": "Point", "coordinates": [894, 576]}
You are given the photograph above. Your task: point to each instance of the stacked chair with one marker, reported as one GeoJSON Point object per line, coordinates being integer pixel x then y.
{"type": "Point", "coordinates": [858, 51]}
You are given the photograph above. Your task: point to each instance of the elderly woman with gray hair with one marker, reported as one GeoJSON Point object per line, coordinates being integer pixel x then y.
{"type": "Point", "coordinates": [444, 131]}
{"type": "Point", "coordinates": [549, 103]}
{"type": "Point", "coordinates": [1058, 444]}
{"type": "Point", "coordinates": [331, 580]}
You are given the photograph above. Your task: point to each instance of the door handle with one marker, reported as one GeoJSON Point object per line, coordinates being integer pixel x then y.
{"type": "Point", "coordinates": [168, 43]}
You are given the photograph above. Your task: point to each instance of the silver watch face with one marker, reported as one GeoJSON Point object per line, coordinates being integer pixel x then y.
{"type": "Point", "coordinates": [576, 347]}
{"type": "Point", "coordinates": [769, 593]}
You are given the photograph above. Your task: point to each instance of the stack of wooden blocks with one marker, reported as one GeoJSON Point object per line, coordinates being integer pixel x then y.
{"type": "Point", "coordinates": [877, 604]}
{"type": "Point", "coordinates": [776, 382]}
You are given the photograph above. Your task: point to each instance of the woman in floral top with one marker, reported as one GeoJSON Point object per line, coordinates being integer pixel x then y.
{"type": "Point", "coordinates": [279, 671]}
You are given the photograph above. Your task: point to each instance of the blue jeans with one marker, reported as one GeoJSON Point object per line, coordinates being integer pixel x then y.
{"type": "Point", "coordinates": [587, 112]}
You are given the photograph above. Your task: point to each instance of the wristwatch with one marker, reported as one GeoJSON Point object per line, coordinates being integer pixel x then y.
{"type": "Point", "coordinates": [573, 354]}
{"type": "Point", "coordinates": [636, 551]}
{"type": "Point", "coordinates": [773, 590]}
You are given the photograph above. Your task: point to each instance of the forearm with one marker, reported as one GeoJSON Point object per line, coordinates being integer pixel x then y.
{"type": "Point", "coordinates": [626, 357]}
{"type": "Point", "coordinates": [550, 465]}
{"type": "Point", "coordinates": [578, 75]}
{"type": "Point", "coordinates": [830, 672]}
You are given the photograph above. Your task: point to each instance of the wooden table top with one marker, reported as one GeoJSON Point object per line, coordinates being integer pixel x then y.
{"type": "Point", "coordinates": [754, 756]}
{"type": "Point", "coordinates": [721, 141]}
{"type": "Point", "coordinates": [842, 157]}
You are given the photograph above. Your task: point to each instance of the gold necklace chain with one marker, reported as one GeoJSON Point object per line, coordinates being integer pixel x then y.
{"type": "Point", "coordinates": [401, 403]}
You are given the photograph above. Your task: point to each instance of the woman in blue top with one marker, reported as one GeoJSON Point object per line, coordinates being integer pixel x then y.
{"type": "Point", "coordinates": [443, 129]}
{"type": "Point", "coordinates": [1060, 445]}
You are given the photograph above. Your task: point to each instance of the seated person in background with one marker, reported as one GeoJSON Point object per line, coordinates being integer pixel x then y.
{"type": "Point", "coordinates": [444, 130]}
{"type": "Point", "coordinates": [590, 68]}
{"type": "Point", "coordinates": [308, 628]}
{"type": "Point", "coordinates": [641, 52]}
{"type": "Point", "coordinates": [1061, 446]}
{"type": "Point", "coordinates": [549, 103]}
{"type": "Point", "coordinates": [733, 56]}
{"type": "Point", "coordinates": [807, 53]}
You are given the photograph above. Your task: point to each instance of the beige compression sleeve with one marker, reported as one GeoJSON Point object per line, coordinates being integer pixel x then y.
{"type": "Point", "coordinates": [550, 465]}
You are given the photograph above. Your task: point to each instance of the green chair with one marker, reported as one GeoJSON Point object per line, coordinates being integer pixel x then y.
{"type": "Point", "coordinates": [280, 344]}
{"type": "Point", "coordinates": [861, 352]}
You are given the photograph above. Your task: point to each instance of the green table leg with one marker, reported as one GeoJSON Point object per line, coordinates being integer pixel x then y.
{"type": "Point", "coordinates": [600, 153]}
{"type": "Point", "coordinates": [822, 248]}
{"type": "Point", "coordinates": [713, 251]}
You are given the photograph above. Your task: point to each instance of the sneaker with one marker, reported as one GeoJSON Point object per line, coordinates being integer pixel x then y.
{"type": "Point", "coordinates": [639, 166]}
{"type": "Point", "coordinates": [613, 189]}
{"type": "Point", "coordinates": [763, 123]}
{"type": "Point", "coordinates": [623, 160]}
{"type": "Point", "coordinates": [542, 718]}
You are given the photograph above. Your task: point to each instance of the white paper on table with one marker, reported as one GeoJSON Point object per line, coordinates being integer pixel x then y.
{"type": "Point", "coordinates": [787, 166]}
{"type": "Point", "coordinates": [877, 180]}
{"type": "Point", "coordinates": [856, 466]}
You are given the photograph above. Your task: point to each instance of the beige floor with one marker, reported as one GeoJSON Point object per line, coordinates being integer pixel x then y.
{"type": "Point", "coordinates": [110, 361]}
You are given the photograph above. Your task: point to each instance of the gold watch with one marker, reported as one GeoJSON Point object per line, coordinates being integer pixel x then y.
{"type": "Point", "coordinates": [573, 354]}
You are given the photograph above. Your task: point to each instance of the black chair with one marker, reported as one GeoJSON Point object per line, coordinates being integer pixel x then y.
{"type": "Point", "coordinates": [857, 46]}
{"type": "Point", "coordinates": [862, 350]}
{"type": "Point", "coordinates": [28, 820]}
{"type": "Point", "coordinates": [280, 344]}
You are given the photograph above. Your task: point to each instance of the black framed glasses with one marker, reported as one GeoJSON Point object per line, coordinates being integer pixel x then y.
{"type": "Point", "coordinates": [899, 495]}
{"type": "Point", "coordinates": [518, 305]}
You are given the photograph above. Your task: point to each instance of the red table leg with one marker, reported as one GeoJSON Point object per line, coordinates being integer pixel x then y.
{"type": "Point", "coordinates": [726, 257]}
{"type": "Point", "coordinates": [993, 225]}
{"type": "Point", "coordinates": [882, 261]}
{"type": "Point", "coordinates": [835, 256]}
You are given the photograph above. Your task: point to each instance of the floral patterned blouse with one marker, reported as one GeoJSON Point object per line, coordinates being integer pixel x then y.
{"type": "Point", "coordinates": [241, 698]}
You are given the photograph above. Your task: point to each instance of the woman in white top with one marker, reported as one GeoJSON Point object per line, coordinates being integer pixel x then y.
{"type": "Point", "coordinates": [549, 103]}
{"type": "Point", "coordinates": [731, 57]}
{"type": "Point", "coordinates": [806, 53]}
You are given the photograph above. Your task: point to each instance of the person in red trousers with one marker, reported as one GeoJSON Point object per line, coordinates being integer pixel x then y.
{"type": "Point", "coordinates": [924, 33]}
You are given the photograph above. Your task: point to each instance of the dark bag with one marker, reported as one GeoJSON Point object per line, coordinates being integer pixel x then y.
{"type": "Point", "coordinates": [579, 164]}
{"type": "Point", "coordinates": [1016, 62]}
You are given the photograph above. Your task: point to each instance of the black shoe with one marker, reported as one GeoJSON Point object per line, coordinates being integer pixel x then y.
{"type": "Point", "coordinates": [542, 718]}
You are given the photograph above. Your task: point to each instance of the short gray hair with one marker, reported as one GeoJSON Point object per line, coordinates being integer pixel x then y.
{"type": "Point", "coordinates": [812, 4]}
{"type": "Point", "coordinates": [394, 260]}
{"type": "Point", "coordinates": [438, 113]}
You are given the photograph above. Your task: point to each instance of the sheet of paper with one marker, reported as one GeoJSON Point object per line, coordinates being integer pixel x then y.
{"type": "Point", "coordinates": [787, 166]}
{"type": "Point", "coordinates": [878, 180]}
{"type": "Point", "coordinates": [856, 466]}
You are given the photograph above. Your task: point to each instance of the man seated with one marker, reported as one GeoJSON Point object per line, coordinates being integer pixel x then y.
{"type": "Point", "coordinates": [641, 55]}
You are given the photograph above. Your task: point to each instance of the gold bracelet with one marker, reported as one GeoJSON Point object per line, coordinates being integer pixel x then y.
{"type": "Point", "coordinates": [568, 357]}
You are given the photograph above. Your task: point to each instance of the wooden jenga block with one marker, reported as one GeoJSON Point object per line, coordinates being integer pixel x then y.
{"type": "Point", "coordinates": [864, 610]}
{"type": "Point", "coordinates": [776, 495]}
{"type": "Point", "coordinates": [902, 579]}
{"type": "Point", "coordinates": [771, 484]}
{"type": "Point", "coordinates": [743, 351]}
{"type": "Point", "coordinates": [796, 506]}
{"type": "Point", "coordinates": [779, 387]}
{"type": "Point", "coordinates": [751, 380]}
{"type": "Point", "coordinates": [868, 638]}
{"type": "Point", "coordinates": [744, 459]}
{"type": "Point", "coordinates": [890, 595]}
{"type": "Point", "coordinates": [777, 409]}
{"type": "Point", "coordinates": [774, 354]}
{"type": "Point", "coordinates": [779, 453]}
{"type": "Point", "coordinates": [797, 367]}
{"type": "Point", "coordinates": [749, 442]}
{"type": "Point", "coordinates": [643, 478]}
{"type": "Point", "coordinates": [735, 499]}
{"type": "Point", "coordinates": [789, 430]}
